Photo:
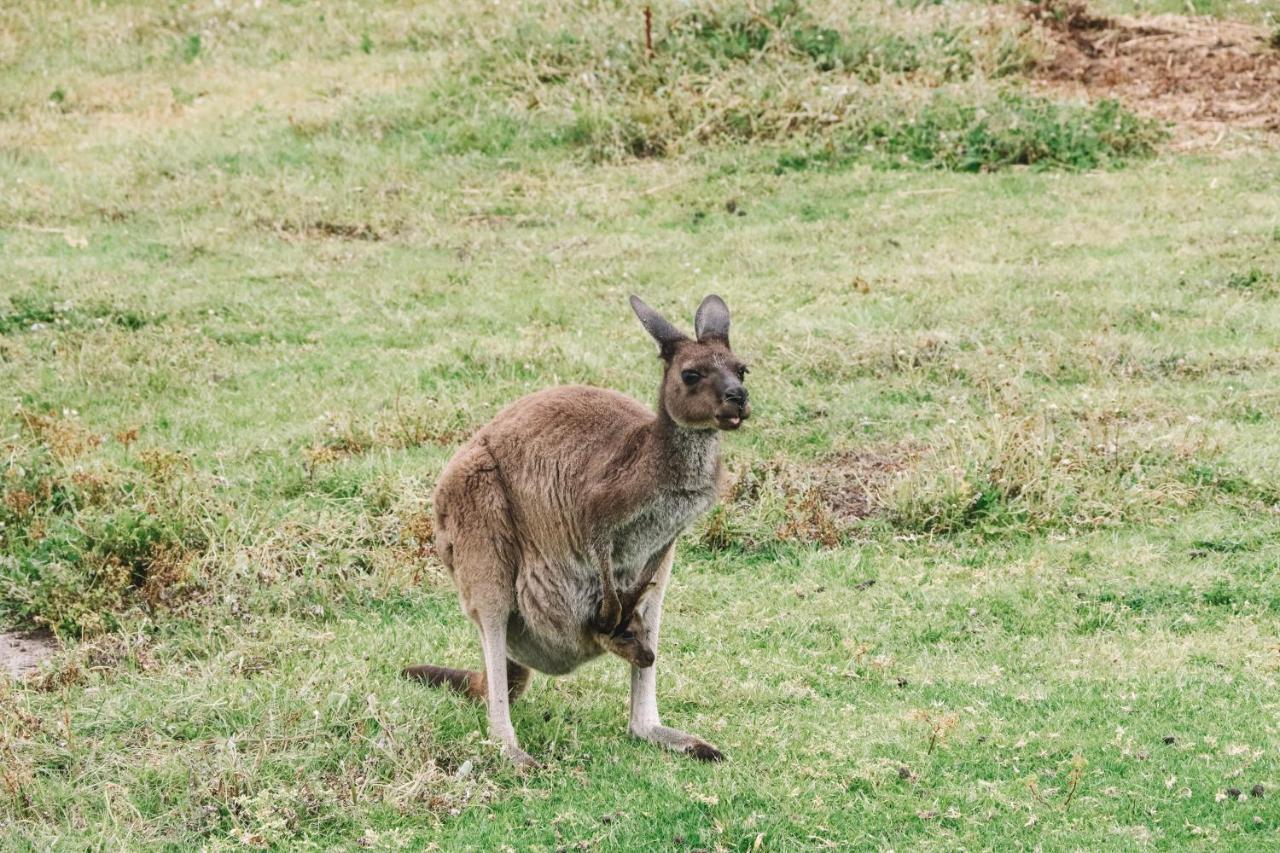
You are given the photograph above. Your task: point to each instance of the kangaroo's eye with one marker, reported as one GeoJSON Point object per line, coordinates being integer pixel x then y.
{"type": "Point", "coordinates": [742, 372]}
{"type": "Point", "coordinates": [690, 377]}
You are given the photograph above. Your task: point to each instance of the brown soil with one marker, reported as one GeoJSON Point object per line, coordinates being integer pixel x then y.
{"type": "Point", "coordinates": [22, 653]}
{"type": "Point", "coordinates": [851, 483]}
{"type": "Point", "coordinates": [1204, 75]}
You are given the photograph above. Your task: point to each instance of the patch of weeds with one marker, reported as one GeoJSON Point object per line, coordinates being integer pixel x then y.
{"type": "Point", "coordinates": [83, 573]}
{"type": "Point", "coordinates": [85, 540]}
{"type": "Point", "coordinates": [397, 426]}
{"type": "Point", "coordinates": [322, 230]}
{"type": "Point", "coordinates": [1015, 130]}
{"type": "Point", "coordinates": [766, 503]}
{"type": "Point", "coordinates": [1010, 130]}
{"type": "Point", "coordinates": [29, 313]}
{"type": "Point", "coordinates": [190, 46]}
{"type": "Point", "coordinates": [703, 37]}
{"type": "Point", "coordinates": [816, 503]}
{"type": "Point", "coordinates": [1253, 280]}
{"type": "Point", "coordinates": [719, 532]}
{"type": "Point", "coordinates": [938, 725]}
{"type": "Point", "coordinates": [105, 653]}
{"type": "Point", "coordinates": [808, 519]}
{"type": "Point", "coordinates": [1220, 594]}
{"type": "Point", "coordinates": [640, 132]}
{"type": "Point", "coordinates": [870, 54]}
{"type": "Point", "coordinates": [1017, 474]}
{"type": "Point", "coordinates": [1225, 481]}
{"type": "Point", "coordinates": [1204, 547]}
{"type": "Point", "coordinates": [729, 73]}
{"type": "Point", "coordinates": [741, 75]}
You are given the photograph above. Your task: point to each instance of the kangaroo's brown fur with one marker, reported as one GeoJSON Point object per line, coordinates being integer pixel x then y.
{"type": "Point", "coordinates": [571, 494]}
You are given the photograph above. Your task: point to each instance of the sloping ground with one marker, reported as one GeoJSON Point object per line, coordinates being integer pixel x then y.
{"type": "Point", "coordinates": [1203, 74]}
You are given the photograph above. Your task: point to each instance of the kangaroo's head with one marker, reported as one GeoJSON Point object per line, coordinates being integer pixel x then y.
{"type": "Point", "coordinates": [628, 642]}
{"type": "Point", "coordinates": [702, 380]}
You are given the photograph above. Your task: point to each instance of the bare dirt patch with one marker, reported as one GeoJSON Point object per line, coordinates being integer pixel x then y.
{"type": "Point", "coordinates": [22, 653]}
{"type": "Point", "coordinates": [1203, 74]}
{"type": "Point", "coordinates": [853, 483]}
{"type": "Point", "coordinates": [822, 501]}
{"type": "Point", "coordinates": [840, 490]}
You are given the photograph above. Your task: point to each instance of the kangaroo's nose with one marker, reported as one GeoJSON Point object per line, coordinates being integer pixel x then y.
{"type": "Point", "coordinates": [736, 395]}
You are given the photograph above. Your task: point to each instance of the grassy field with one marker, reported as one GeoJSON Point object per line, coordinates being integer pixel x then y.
{"type": "Point", "coordinates": [998, 568]}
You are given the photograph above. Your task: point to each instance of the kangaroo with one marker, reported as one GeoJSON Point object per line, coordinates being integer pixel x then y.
{"type": "Point", "coordinates": [571, 494]}
{"type": "Point", "coordinates": [628, 639]}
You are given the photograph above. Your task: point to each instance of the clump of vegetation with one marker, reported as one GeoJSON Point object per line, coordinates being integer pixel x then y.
{"type": "Point", "coordinates": [1050, 471]}
{"type": "Point", "coordinates": [735, 75]}
{"type": "Point", "coordinates": [1017, 472]}
{"type": "Point", "coordinates": [1254, 280]}
{"type": "Point", "coordinates": [1007, 130]}
{"type": "Point", "coordinates": [839, 89]}
{"type": "Point", "coordinates": [938, 725]}
{"type": "Point", "coordinates": [27, 313]}
{"type": "Point", "coordinates": [703, 39]}
{"type": "Point", "coordinates": [1016, 130]}
{"type": "Point", "coordinates": [97, 533]}
{"type": "Point", "coordinates": [85, 539]}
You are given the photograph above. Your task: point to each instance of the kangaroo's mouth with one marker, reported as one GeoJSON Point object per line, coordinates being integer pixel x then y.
{"type": "Point", "coordinates": [732, 418]}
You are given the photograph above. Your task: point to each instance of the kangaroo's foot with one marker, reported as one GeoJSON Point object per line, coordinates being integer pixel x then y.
{"type": "Point", "coordinates": [519, 758]}
{"type": "Point", "coordinates": [679, 741]}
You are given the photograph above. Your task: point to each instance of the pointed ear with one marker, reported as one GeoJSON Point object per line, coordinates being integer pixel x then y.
{"type": "Point", "coordinates": [656, 325]}
{"type": "Point", "coordinates": [712, 319]}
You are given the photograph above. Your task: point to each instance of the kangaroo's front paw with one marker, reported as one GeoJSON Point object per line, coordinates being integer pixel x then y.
{"type": "Point", "coordinates": [704, 751]}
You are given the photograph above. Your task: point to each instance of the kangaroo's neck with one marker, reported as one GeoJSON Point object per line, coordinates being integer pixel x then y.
{"type": "Point", "coordinates": [690, 458]}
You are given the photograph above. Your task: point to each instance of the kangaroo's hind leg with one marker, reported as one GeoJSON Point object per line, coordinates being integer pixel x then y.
{"type": "Point", "coordinates": [476, 535]}
{"type": "Point", "coordinates": [493, 637]}
{"type": "Point", "coordinates": [501, 683]}
{"type": "Point", "coordinates": [645, 721]}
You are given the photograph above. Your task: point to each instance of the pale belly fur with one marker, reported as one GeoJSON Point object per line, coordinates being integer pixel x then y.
{"type": "Point", "coordinates": [556, 602]}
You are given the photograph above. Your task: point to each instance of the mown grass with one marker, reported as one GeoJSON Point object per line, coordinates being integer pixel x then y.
{"type": "Point", "coordinates": [997, 567]}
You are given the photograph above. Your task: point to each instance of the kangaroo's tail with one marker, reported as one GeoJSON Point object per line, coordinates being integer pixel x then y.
{"type": "Point", "coordinates": [468, 682]}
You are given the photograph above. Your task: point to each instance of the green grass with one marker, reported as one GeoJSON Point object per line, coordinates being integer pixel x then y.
{"type": "Point", "coordinates": [998, 567]}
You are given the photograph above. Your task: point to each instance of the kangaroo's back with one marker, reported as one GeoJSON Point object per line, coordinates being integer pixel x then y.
{"type": "Point", "coordinates": [547, 454]}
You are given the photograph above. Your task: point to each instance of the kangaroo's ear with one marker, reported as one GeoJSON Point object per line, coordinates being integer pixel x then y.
{"type": "Point", "coordinates": [712, 320]}
{"type": "Point", "coordinates": [656, 325]}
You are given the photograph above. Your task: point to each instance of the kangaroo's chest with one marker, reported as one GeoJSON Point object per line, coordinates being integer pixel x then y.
{"type": "Point", "coordinates": [654, 525]}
